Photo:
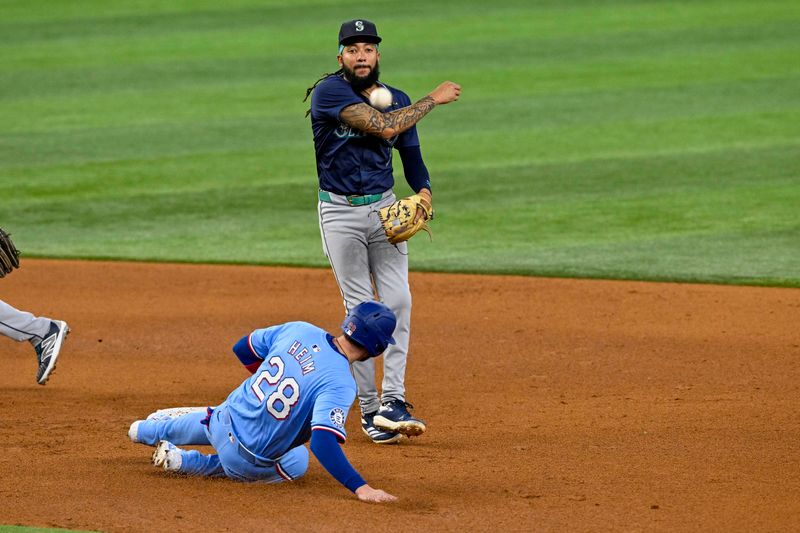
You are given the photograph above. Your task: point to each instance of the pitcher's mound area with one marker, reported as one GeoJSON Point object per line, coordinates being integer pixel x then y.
{"type": "Point", "coordinates": [552, 405]}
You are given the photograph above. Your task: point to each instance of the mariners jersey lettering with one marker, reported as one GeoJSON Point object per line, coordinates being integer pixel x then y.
{"type": "Point", "coordinates": [304, 383]}
{"type": "Point", "coordinates": [350, 161]}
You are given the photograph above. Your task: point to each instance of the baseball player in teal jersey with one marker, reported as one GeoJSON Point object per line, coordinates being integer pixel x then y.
{"type": "Point", "coordinates": [301, 389]}
{"type": "Point", "coordinates": [353, 143]}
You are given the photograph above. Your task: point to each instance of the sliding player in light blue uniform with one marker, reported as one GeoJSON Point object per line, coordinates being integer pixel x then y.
{"type": "Point", "coordinates": [301, 389]}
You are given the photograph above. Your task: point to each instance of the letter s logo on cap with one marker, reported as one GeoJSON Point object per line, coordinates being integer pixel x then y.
{"type": "Point", "coordinates": [359, 26]}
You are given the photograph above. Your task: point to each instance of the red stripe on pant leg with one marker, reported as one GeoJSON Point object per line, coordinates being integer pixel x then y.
{"type": "Point", "coordinates": [281, 472]}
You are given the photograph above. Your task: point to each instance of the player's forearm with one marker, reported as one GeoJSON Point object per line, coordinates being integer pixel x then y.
{"type": "Point", "coordinates": [386, 125]}
{"type": "Point", "coordinates": [414, 168]}
{"type": "Point", "coordinates": [401, 120]}
{"type": "Point", "coordinates": [332, 458]}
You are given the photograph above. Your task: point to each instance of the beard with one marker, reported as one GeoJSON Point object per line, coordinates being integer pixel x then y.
{"type": "Point", "coordinates": [361, 83]}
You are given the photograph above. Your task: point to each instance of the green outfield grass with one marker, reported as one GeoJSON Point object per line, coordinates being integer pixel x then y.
{"type": "Point", "coordinates": [612, 139]}
{"type": "Point", "coordinates": [24, 529]}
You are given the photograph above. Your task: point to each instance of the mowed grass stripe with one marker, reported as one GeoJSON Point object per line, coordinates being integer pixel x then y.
{"type": "Point", "coordinates": [492, 183]}
{"type": "Point", "coordinates": [718, 106]}
{"type": "Point", "coordinates": [247, 101]}
{"type": "Point", "coordinates": [715, 204]}
{"type": "Point", "coordinates": [471, 21]}
{"type": "Point", "coordinates": [157, 67]}
{"type": "Point", "coordinates": [24, 529]}
{"type": "Point", "coordinates": [608, 139]}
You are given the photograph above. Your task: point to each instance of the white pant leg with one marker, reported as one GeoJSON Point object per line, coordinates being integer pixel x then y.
{"type": "Point", "coordinates": [345, 232]}
{"type": "Point", "coordinates": [21, 325]}
{"type": "Point", "coordinates": [389, 265]}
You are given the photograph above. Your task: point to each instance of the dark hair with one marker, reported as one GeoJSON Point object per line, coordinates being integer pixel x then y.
{"type": "Point", "coordinates": [311, 89]}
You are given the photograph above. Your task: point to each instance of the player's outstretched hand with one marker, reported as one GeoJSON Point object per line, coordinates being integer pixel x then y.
{"type": "Point", "coordinates": [446, 93]}
{"type": "Point", "coordinates": [366, 493]}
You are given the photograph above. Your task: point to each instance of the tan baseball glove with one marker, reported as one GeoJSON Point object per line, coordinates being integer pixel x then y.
{"type": "Point", "coordinates": [399, 218]}
{"type": "Point", "coordinates": [9, 255]}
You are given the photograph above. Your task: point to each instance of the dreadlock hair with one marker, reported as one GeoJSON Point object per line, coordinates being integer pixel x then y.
{"type": "Point", "coordinates": [310, 89]}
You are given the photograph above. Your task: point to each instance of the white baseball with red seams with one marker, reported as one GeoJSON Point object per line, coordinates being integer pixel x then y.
{"type": "Point", "coordinates": [380, 98]}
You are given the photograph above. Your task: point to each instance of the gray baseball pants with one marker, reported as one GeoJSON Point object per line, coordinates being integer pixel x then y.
{"type": "Point", "coordinates": [364, 264]}
{"type": "Point", "coordinates": [21, 325]}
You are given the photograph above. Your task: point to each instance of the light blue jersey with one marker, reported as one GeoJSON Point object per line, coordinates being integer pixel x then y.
{"type": "Point", "coordinates": [303, 383]}
{"type": "Point", "coordinates": [301, 390]}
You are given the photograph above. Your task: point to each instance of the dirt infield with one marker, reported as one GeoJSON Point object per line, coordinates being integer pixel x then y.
{"type": "Point", "coordinates": [553, 405]}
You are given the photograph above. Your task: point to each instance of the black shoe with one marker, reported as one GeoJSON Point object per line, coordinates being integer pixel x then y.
{"type": "Point", "coordinates": [48, 349]}
{"type": "Point", "coordinates": [377, 436]}
{"type": "Point", "coordinates": [394, 416]}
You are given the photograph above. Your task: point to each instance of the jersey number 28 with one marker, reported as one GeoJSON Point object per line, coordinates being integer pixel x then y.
{"type": "Point", "coordinates": [279, 404]}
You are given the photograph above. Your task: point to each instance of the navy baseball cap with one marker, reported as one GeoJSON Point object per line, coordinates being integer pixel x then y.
{"type": "Point", "coordinates": [358, 31]}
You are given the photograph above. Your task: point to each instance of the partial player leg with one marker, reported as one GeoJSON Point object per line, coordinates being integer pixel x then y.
{"type": "Point", "coordinates": [181, 425]}
{"type": "Point", "coordinates": [188, 462]}
{"type": "Point", "coordinates": [194, 463]}
{"type": "Point", "coordinates": [21, 325]}
{"type": "Point", "coordinates": [242, 466]}
{"type": "Point", "coordinates": [46, 335]}
{"type": "Point", "coordinates": [184, 429]}
{"type": "Point", "coordinates": [291, 465]}
{"type": "Point", "coordinates": [344, 232]}
{"type": "Point", "coordinates": [389, 265]}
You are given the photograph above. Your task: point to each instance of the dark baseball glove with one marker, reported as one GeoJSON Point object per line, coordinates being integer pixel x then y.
{"type": "Point", "coordinates": [9, 255]}
{"type": "Point", "coordinates": [400, 221]}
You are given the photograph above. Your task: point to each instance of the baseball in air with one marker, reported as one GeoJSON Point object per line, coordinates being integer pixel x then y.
{"type": "Point", "coordinates": [380, 98]}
